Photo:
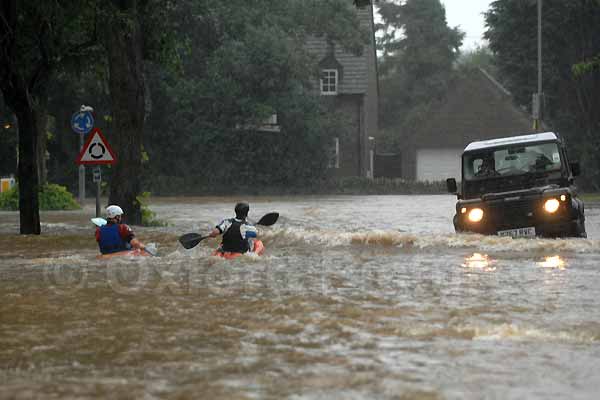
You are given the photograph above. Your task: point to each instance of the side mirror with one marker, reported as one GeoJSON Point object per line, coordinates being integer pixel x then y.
{"type": "Point", "coordinates": [575, 168]}
{"type": "Point", "coordinates": [451, 185]}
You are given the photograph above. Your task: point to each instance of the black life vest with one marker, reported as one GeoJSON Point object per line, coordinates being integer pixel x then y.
{"type": "Point", "coordinates": [232, 239]}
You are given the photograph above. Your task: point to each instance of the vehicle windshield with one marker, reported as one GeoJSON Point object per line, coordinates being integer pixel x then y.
{"type": "Point", "coordinates": [511, 161]}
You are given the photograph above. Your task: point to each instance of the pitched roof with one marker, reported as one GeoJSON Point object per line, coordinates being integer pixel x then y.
{"type": "Point", "coordinates": [476, 108]}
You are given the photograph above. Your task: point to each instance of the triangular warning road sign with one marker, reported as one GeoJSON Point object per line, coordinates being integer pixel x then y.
{"type": "Point", "coordinates": [96, 150]}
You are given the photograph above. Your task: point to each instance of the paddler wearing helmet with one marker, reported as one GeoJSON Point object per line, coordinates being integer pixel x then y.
{"type": "Point", "coordinates": [115, 236]}
{"type": "Point", "coordinates": [237, 232]}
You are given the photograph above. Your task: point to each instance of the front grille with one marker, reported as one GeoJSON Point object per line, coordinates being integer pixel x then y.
{"type": "Point", "coordinates": [512, 213]}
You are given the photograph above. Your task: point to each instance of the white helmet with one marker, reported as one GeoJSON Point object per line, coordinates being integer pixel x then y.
{"type": "Point", "coordinates": [113, 211]}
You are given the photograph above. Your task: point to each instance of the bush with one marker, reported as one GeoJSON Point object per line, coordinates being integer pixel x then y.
{"type": "Point", "coordinates": [52, 197]}
{"type": "Point", "coordinates": [148, 216]}
{"type": "Point", "coordinates": [9, 201]}
{"type": "Point", "coordinates": [56, 197]}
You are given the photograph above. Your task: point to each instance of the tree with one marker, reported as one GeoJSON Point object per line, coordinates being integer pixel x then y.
{"type": "Point", "coordinates": [571, 82]}
{"type": "Point", "coordinates": [481, 57]}
{"type": "Point", "coordinates": [418, 53]}
{"type": "Point", "coordinates": [127, 90]}
{"type": "Point", "coordinates": [247, 63]}
{"type": "Point", "coordinates": [36, 38]}
{"type": "Point", "coordinates": [208, 68]}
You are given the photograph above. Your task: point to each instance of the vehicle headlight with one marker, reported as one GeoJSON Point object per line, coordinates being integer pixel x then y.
{"type": "Point", "coordinates": [551, 205]}
{"type": "Point", "coordinates": [476, 215]}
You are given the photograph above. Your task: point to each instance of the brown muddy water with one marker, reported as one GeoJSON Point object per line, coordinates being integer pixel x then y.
{"type": "Point", "coordinates": [370, 297]}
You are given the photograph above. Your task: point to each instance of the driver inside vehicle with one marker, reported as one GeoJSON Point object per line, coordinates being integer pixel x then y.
{"type": "Point", "coordinates": [542, 162]}
{"type": "Point", "coordinates": [487, 168]}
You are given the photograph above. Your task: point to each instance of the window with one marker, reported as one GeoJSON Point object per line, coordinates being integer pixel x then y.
{"type": "Point", "coordinates": [329, 81]}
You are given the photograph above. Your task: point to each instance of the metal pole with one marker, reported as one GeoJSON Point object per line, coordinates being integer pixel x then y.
{"type": "Point", "coordinates": [81, 175]}
{"type": "Point", "coordinates": [540, 98]}
{"type": "Point", "coordinates": [371, 164]}
{"type": "Point", "coordinates": [98, 184]}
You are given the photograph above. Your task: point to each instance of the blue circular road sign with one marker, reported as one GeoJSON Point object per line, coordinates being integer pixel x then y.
{"type": "Point", "coordinates": [82, 122]}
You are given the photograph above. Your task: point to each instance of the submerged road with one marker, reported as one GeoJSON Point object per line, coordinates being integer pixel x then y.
{"type": "Point", "coordinates": [357, 297]}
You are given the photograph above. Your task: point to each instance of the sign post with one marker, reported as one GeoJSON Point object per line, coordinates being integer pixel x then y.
{"type": "Point", "coordinates": [96, 151]}
{"type": "Point", "coordinates": [97, 178]}
{"type": "Point", "coordinates": [82, 122]}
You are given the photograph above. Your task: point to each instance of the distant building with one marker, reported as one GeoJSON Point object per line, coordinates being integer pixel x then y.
{"type": "Point", "coordinates": [476, 108]}
{"type": "Point", "coordinates": [349, 85]}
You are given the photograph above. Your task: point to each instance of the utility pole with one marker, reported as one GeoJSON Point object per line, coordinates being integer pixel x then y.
{"type": "Point", "coordinates": [538, 98]}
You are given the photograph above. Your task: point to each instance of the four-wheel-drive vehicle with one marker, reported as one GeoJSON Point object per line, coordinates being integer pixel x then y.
{"type": "Point", "coordinates": [519, 186]}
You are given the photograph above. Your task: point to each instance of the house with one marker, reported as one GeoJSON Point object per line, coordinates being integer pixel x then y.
{"type": "Point", "coordinates": [348, 85]}
{"type": "Point", "coordinates": [476, 108]}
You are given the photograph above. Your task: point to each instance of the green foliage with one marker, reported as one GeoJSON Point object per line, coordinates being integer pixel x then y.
{"type": "Point", "coordinates": [587, 67]}
{"type": "Point", "coordinates": [56, 197]}
{"type": "Point", "coordinates": [481, 57]}
{"type": "Point", "coordinates": [418, 53]}
{"type": "Point", "coordinates": [148, 216]}
{"type": "Point", "coordinates": [248, 62]}
{"type": "Point", "coordinates": [9, 200]}
{"type": "Point", "coordinates": [571, 77]}
{"type": "Point", "coordinates": [215, 71]}
{"type": "Point", "coordinates": [51, 197]}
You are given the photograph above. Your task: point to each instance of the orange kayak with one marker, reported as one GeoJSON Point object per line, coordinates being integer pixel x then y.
{"type": "Point", "coordinates": [259, 248]}
{"type": "Point", "coordinates": [125, 253]}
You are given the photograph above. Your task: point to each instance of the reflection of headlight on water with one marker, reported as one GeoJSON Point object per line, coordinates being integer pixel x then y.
{"type": "Point", "coordinates": [555, 262]}
{"type": "Point", "coordinates": [479, 261]}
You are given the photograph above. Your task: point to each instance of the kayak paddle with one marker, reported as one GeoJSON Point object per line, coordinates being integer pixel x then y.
{"type": "Point", "coordinates": [99, 221]}
{"type": "Point", "coordinates": [152, 251]}
{"type": "Point", "coordinates": [190, 240]}
{"type": "Point", "coordinates": [268, 219]}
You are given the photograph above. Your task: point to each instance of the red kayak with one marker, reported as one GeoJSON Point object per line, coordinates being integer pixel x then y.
{"type": "Point", "coordinates": [125, 253]}
{"type": "Point", "coordinates": [259, 248]}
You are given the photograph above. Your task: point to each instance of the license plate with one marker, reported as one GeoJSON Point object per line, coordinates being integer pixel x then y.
{"type": "Point", "coordinates": [519, 232]}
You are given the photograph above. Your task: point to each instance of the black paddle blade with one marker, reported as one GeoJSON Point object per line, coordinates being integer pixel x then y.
{"type": "Point", "coordinates": [268, 219]}
{"type": "Point", "coordinates": [190, 240]}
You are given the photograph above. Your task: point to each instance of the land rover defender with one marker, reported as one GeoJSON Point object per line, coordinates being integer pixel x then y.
{"type": "Point", "coordinates": [521, 186]}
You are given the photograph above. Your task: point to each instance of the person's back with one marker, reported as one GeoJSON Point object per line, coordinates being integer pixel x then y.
{"type": "Point", "coordinates": [109, 238]}
{"type": "Point", "coordinates": [237, 232]}
{"type": "Point", "coordinates": [235, 238]}
{"type": "Point", "coordinates": [115, 236]}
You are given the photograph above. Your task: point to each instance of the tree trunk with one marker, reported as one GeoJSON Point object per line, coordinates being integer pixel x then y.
{"type": "Point", "coordinates": [29, 211]}
{"type": "Point", "coordinates": [126, 82]}
{"type": "Point", "coordinates": [19, 100]}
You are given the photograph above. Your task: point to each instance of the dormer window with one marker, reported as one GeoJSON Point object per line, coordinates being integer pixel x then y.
{"type": "Point", "coordinates": [329, 82]}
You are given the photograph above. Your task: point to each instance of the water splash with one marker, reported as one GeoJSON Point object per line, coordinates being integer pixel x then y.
{"type": "Point", "coordinates": [404, 240]}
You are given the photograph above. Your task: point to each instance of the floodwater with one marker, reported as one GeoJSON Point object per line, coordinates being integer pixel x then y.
{"type": "Point", "coordinates": [357, 297]}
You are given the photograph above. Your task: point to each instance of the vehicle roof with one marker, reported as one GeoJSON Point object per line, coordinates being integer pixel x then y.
{"type": "Point", "coordinates": [537, 137]}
